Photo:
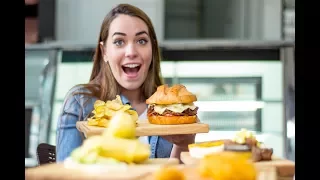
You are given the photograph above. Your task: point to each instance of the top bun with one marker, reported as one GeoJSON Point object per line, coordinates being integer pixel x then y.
{"type": "Point", "coordinates": [177, 94]}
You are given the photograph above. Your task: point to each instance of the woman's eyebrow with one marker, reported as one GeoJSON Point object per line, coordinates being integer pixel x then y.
{"type": "Point", "coordinates": [124, 34]}
{"type": "Point", "coordinates": [119, 33]}
{"type": "Point", "coordinates": [141, 32]}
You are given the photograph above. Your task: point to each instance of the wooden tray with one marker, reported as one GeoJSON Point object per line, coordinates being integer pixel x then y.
{"type": "Point", "coordinates": [58, 171]}
{"type": "Point", "coordinates": [147, 129]}
{"type": "Point", "coordinates": [285, 168]}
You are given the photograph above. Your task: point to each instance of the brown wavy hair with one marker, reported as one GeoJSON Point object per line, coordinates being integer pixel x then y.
{"type": "Point", "coordinates": [102, 83]}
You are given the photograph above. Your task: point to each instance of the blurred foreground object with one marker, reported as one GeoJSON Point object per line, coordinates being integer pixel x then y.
{"type": "Point", "coordinates": [31, 2]}
{"type": "Point", "coordinates": [169, 173]}
{"type": "Point", "coordinates": [115, 145]}
{"type": "Point", "coordinates": [31, 30]}
{"type": "Point", "coordinates": [227, 165]}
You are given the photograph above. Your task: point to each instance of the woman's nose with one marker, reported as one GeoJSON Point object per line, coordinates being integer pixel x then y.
{"type": "Point", "coordinates": [131, 51]}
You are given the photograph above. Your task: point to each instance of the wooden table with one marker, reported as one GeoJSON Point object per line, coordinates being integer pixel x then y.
{"type": "Point", "coordinates": [59, 172]}
{"type": "Point", "coordinates": [285, 169]}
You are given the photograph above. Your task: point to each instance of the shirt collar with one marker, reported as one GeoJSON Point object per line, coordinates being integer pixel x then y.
{"type": "Point", "coordinates": [124, 100]}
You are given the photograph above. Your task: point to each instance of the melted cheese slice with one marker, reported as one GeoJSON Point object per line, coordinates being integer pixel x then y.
{"type": "Point", "coordinates": [177, 108]}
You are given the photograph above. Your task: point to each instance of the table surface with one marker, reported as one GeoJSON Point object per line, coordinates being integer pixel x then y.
{"type": "Point", "coordinates": [60, 172]}
{"type": "Point", "coordinates": [83, 172]}
{"type": "Point", "coordinates": [284, 167]}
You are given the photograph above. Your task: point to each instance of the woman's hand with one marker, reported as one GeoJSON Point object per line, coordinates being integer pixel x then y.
{"type": "Point", "coordinates": [182, 141]}
{"type": "Point", "coordinates": [180, 144]}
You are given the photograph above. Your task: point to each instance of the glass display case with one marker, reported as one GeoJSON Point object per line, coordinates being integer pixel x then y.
{"type": "Point", "coordinates": [228, 104]}
{"type": "Point", "coordinates": [217, 19]}
{"type": "Point", "coordinates": [40, 66]}
{"type": "Point", "coordinates": [35, 63]}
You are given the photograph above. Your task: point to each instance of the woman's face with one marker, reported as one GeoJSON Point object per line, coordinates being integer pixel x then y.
{"type": "Point", "coordinates": [129, 51]}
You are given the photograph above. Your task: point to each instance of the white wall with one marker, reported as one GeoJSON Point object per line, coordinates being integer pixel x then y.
{"type": "Point", "coordinates": [80, 20]}
{"type": "Point", "coordinates": [272, 21]}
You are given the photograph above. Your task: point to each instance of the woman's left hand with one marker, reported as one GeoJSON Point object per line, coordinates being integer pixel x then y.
{"type": "Point", "coordinates": [181, 141]}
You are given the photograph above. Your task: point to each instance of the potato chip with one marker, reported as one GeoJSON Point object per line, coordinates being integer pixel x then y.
{"type": "Point", "coordinates": [109, 112]}
{"type": "Point", "coordinates": [92, 122]}
{"type": "Point", "coordinates": [98, 103]}
{"type": "Point", "coordinates": [103, 122]}
{"type": "Point", "coordinates": [125, 107]}
{"type": "Point", "coordinates": [133, 114]}
{"type": "Point", "coordinates": [104, 111]}
{"type": "Point", "coordinates": [99, 112]}
{"type": "Point", "coordinates": [118, 100]}
{"type": "Point", "coordinates": [113, 105]}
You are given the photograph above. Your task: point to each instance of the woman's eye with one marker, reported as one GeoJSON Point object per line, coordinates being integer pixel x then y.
{"type": "Point", "coordinates": [142, 41]}
{"type": "Point", "coordinates": [118, 42]}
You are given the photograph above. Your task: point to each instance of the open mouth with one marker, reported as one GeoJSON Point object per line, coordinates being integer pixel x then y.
{"type": "Point", "coordinates": [131, 70]}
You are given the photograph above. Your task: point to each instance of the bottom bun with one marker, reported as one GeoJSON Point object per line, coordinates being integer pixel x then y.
{"type": "Point", "coordinates": [172, 120]}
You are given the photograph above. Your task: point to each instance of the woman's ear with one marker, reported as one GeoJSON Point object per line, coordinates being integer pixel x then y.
{"type": "Point", "coordinates": [103, 52]}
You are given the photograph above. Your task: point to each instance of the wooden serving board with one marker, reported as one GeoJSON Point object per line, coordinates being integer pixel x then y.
{"type": "Point", "coordinates": [58, 171]}
{"type": "Point", "coordinates": [146, 129]}
{"type": "Point", "coordinates": [284, 167]}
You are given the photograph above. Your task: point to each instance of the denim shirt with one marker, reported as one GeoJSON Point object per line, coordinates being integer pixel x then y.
{"type": "Point", "coordinates": [76, 108]}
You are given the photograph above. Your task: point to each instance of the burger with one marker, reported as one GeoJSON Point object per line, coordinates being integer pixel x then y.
{"type": "Point", "coordinates": [172, 105]}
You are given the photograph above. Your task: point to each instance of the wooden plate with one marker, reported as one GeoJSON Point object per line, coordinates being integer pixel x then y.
{"type": "Point", "coordinates": [146, 129]}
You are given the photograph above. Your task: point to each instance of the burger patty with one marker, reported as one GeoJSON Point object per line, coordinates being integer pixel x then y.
{"type": "Point", "coordinates": [167, 112]}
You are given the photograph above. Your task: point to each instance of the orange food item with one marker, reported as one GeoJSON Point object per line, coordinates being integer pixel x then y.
{"type": "Point", "coordinates": [207, 144]}
{"type": "Point", "coordinates": [227, 166]}
{"type": "Point", "coordinates": [199, 150]}
{"type": "Point", "coordinates": [169, 173]}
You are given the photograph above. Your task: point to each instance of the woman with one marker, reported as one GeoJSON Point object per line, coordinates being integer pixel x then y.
{"type": "Point", "coordinates": [126, 62]}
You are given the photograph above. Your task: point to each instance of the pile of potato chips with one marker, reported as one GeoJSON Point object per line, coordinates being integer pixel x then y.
{"type": "Point", "coordinates": [104, 111]}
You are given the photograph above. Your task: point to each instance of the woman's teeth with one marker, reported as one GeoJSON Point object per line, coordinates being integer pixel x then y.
{"type": "Point", "coordinates": [131, 65]}
{"type": "Point", "coordinates": [131, 69]}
